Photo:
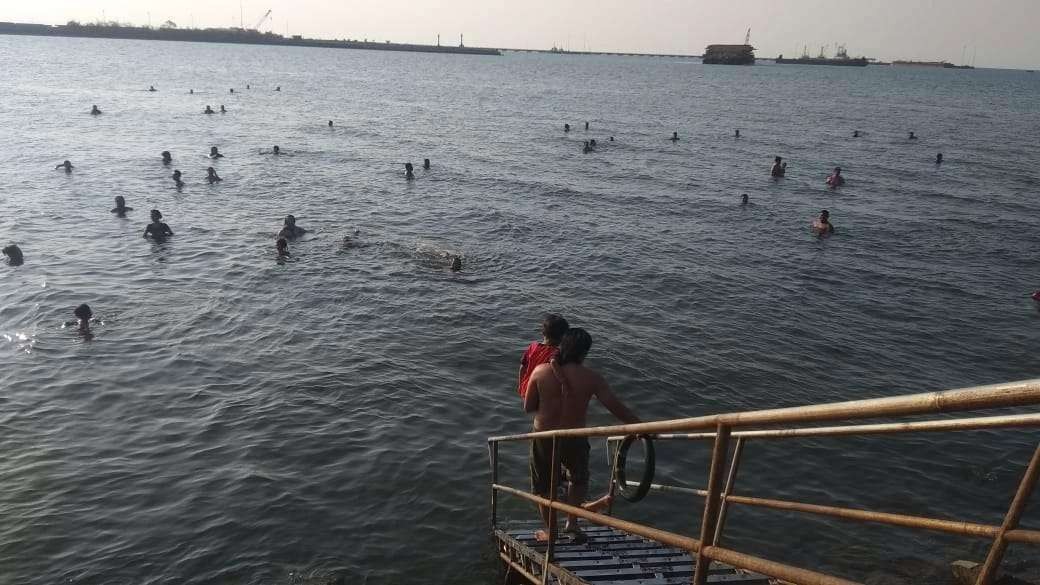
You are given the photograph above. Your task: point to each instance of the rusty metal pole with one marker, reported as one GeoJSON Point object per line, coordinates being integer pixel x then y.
{"type": "Point", "coordinates": [551, 545]}
{"type": "Point", "coordinates": [493, 453]}
{"type": "Point", "coordinates": [731, 478]}
{"type": "Point", "coordinates": [711, 503]}
{"type": "Point", "coordinates": [1018, 505]}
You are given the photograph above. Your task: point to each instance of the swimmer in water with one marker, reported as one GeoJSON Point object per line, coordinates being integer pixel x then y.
{"type": "Point", "coordinates": [592, 143]}
{"type": "Point", "coordinates": [855, 133]}
{"type": "Point", "coordinates": [14, 255]}
{"type": "Point", "coordinates": [911, 137]}
{"type": "Point", "coordinates": [247, 86]}
{"type": "Point", "coordinates": [586, 148]}
{"type": "Point", "coordinates": [214, 153]}
{"type": "Point", "coordinates": [586, 126]}
{"type": "Point", "coordinates": [291, 231]}
{"type": "Point", "coordinates": [157, 230]}
{"type": "Point", "coordinates": [675, 137]}
{"type": "Point", "coordinates": [456, 261]}
{"type": "Point", "coordinates": [426, 164]}
{"type": "Point", "coordinates": [279, 88]}
{"type": "Point", "coordinates": [152, 88]}
{"type": "Point", "coordinates": [167, 158]}
{"type": "Point", "coordinates": [330, 123]}
{"type": "Point", "coordinates": [191, 92]}
{"type": "Point", "coordinates": [778, 169]}
{"type": "Point", "coordinates": [566, 127]}
{"type": "Point", "coordinates": [408, 174]}
{"type": "Point", "coordinates": [836, 180]}
{"type": "Point", "coordinates": [208, 110]}
{"type": "Point", "coordinates": [736, 133]}
{"type": "Point", "coordinates": [743, 199]}
{"type": "Point", "coordinates": [274, 150]}
{"type": "Point", "coordinates": [823, 226]}
{"type": "Point", "coordinates": [222, 109]}
{"type": "Point", "coordinates": [211, 176]}
{"type": "Point", "coordinates": [282, 245]}
{"type": "Point", "coordinates": [65, 165]}
{"type": "Point", "coordinates": [232, 90]}
{"type": "Point", "coordinates": [83, 315]}
{"type": "Point", "coordinates": [938, 159]}
{"type": "Point", "coordinates": [120, 209]}
{"type": "Point", "coordinates": [94, 111]}
{"type": "Point", "coordinates": [177, 179]}
{"type": "Point", "coordinates": [612, 139]}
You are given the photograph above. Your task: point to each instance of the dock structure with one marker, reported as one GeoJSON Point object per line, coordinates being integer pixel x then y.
{"type": "Point", "coordinates": [603, 53]}
{"type": "Point", "coordinates": [608, 557]}
{"type": "Point", "coordinates": [621, 551]}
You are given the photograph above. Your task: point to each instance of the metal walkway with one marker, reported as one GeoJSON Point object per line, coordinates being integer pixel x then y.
{"type": "Point", "coordinates": [610, 557]}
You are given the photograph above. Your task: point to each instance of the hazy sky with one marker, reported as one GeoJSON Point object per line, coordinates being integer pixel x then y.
{"type": "Point", "coordinates": [1002, 31]}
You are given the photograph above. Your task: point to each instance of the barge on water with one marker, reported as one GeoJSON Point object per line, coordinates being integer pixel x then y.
{"type": "Point", "coordinates": [841, 58]}
{"type": "Point", "coordinates": [729, 55]}
{"type": "Point", "coordinates": [931, 64]}
{"type": "Point", "coordinates": [613, 551]}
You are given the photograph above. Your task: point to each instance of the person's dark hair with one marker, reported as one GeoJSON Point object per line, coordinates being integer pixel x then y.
{"type": "Point", "coordinates": [553, 327]}
{"type": "Point", "coordinates": [778, 159]}
{"type": "Point", "coordinates": [83, 312]}
{"type": "Point", "coordinates": [574, 346]}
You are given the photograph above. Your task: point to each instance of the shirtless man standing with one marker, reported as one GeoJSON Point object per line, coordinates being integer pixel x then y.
{"type": "Point", "coordinates": [558, 394]}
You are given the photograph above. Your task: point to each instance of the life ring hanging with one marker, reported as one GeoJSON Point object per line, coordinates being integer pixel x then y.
{"type": "Point", "coordinates": [636, 493]}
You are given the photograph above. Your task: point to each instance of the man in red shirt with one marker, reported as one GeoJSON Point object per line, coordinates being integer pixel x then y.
{"type": "Point", "coordinates": [541, 352]}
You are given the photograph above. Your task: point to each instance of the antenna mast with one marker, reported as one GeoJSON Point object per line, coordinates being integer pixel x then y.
{"type": "Point", "coordinates": [747, 37]}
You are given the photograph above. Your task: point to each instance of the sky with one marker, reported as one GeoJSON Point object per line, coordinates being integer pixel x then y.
{"type": "Point", "coordinates": [999, 33]}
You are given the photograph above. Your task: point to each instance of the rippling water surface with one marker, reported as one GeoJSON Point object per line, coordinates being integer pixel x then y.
{"type": "Point", "coordinates": [240, 420]}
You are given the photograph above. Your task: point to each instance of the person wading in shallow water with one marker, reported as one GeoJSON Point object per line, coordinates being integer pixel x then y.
{"type": "Point", "coordinates": [558, 394]}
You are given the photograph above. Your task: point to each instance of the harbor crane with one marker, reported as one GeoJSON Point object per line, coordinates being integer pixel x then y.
{"type": "Point", "coordinates": [262, 20]}
{"type": "Point", "coordinates": [747, 37]}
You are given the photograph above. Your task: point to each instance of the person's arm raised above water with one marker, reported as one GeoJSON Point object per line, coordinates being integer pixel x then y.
{"type": "Point", "coordinates": [613, 404]}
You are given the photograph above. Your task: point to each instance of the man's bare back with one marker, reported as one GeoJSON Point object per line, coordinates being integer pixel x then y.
{"type": "Point", "coordinates": [558, 408]}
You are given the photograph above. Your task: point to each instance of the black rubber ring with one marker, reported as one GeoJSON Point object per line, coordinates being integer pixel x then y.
{"type": "Point", "coordinates": [634, 494]}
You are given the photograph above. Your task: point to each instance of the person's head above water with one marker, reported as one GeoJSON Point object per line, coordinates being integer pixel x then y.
{"type": "Point", "coordinates": [426, 163]}
{"type": "Point", "coordinates": [222, 109]}
{"type": "Point", "coordinates": [824, 216]}
{"type": "Point", "coordinates": [276, 150]}
{"type": "Point", "coordinates": [938, 158]}
{"type": "Point", "coordinates": [166, 156]}
{"type": "Point", "coordinates": [156, 215]}
{"type": "Point", "coordinates": [14, 255]}
{"type": "Point", "coordinates": [912, 137]}
{"type": "Point", "coordinates": [574, 346]}
{"type": "Point", "coordinates": [120, 202]}
{"type": "Point", "coordinates": [210, 171]}
{"type": "Point", "coordinates": [65, 165]}
{"type": "Point", "coordinates": [837, 170]}
{"type": "Point", "coordinates": [456, 263]}
{"type": "Point", "coordinates": [743, 199]}
{"type": "Point", "coordinates": [566, 127]}
{"type": "Point", "coordinates": [83, 313]}
{"type": "Point", "coordinates": [290, 221]}
{"type": "Point", "coordinates": [213, 151]}
{"type": "Point", "coordinates": [675, 135]}
{"type": "Point", "coordinates": [330, 123]}
{"type": "Point", "coordinates": [553, 328]}
{"type": "Point", "coordinates": [176, 175]}
{"type": "Point", "coordinates": [777, 159]}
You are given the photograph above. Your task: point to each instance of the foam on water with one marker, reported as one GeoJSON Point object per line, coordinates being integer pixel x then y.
{"type": "Point", "coordinates": [243, 420]}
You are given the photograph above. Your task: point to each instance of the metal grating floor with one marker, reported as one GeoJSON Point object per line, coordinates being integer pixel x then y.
{"type": "Point", "coordinates": [612, 557]}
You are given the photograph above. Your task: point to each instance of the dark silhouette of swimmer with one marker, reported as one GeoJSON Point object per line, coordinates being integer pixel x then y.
{"type": "Point", "coordinates": [83, 315]}
{"type": "Point", "coordinates": [612, 139]}
{"type": "Point", "coordinates": [152, 88]}
{"type": "Point", "coordinates": [592, 143]}
{"type": "Point", "coordinates": [276, 150]}
{"type": "Point", "coordinates": [736, 133]}
{"type": "Point", "coordinates": [675, 137]}
{"type": "Point", "coordinates": [177, 179]}
{"type": "Point", "coordinates": [408, 174]}
{"type": "Point", "coordinates": [855, 133]}
{"type": "Point", "coordinates": [586, 126]}
{"type": "Point", "coordinates": [120, 209]}
{"type": "Point", "coordinates": [214, 153]}
{"type": "Point", "coordinates": [211, 176]}
{"type": "Point", "coordinates": [157, 230]}
{"type": "Point", "coordinates": [911, 137]}
{"type": "Point", "coordinates": [566, 127]}
{"type": "Point", "coordinates": [836, 180]}
{"type": "Point", "coordinates": [743, 199]}
{"type": "Point", "coordinates": [232, 90]}
{"type": "Point", "coordinates": [14, 255]}
{"type": "Point", "coordinates": [208, 110]}
{"type": "Point", "coordinates": [282, 245]}
{"type": "Point", "coordinates": [167, 158]}
{"type": "Point", "coordinates": [456, 263]}
{"type": "Point", "coordinates": [426, 164]}
{"type": "Point", "coordinates": [586, 148]}
{"type": "Point", "coordinates": [191, 92]}
{"type": "Point", "coordinates": [279, 88]}
{"type": "Point", "coordinates": [290, 231]}
{"type": "Point", "coordinates": [65, 165]}
{"type": "Point", "coordinates": [247, 86]}
{"type": "Point", "coordinates": [938, 159]}
{"type": "Point", "coordinates": [778, 169]}
{"type": "Point", "coordinates": [222, 109]}
{"type": "Point", "coordinates": [823, 226]}
{"type": "Point", "coordinates": [94, 111]}
{"type": "Point", "coordinates": [330, 123]}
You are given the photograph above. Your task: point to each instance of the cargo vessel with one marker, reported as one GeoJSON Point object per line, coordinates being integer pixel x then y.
{"type": "Point", "coordinates": [730, 54]}
{"type": "Point", "coordinates": [840, 58]}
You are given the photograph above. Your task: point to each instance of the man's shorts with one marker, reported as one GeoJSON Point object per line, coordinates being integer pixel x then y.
{"type": "Point", "coordinates": [574, 461]}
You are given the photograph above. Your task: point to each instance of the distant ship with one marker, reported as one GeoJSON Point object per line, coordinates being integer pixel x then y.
{"type": "Point", "coordinates": [935, 64]}
{"type": "Point", "coordinates": [840, 58]}
{"type": "Point", "coordinates": [730, 54]}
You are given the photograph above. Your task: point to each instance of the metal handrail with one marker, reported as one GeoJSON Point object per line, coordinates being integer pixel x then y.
{"type": "Point", "coordinates": [721, 480]}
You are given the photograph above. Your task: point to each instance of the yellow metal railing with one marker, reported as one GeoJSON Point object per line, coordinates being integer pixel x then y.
{"type": "Point", "coordinates": [720, 430]}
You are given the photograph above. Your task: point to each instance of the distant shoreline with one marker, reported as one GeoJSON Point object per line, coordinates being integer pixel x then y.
{"type": "Point", "coordinates": [222, 35]}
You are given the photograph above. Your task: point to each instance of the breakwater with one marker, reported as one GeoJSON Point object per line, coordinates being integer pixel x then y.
{"type": "Point", "coordinates": [222, 35]}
